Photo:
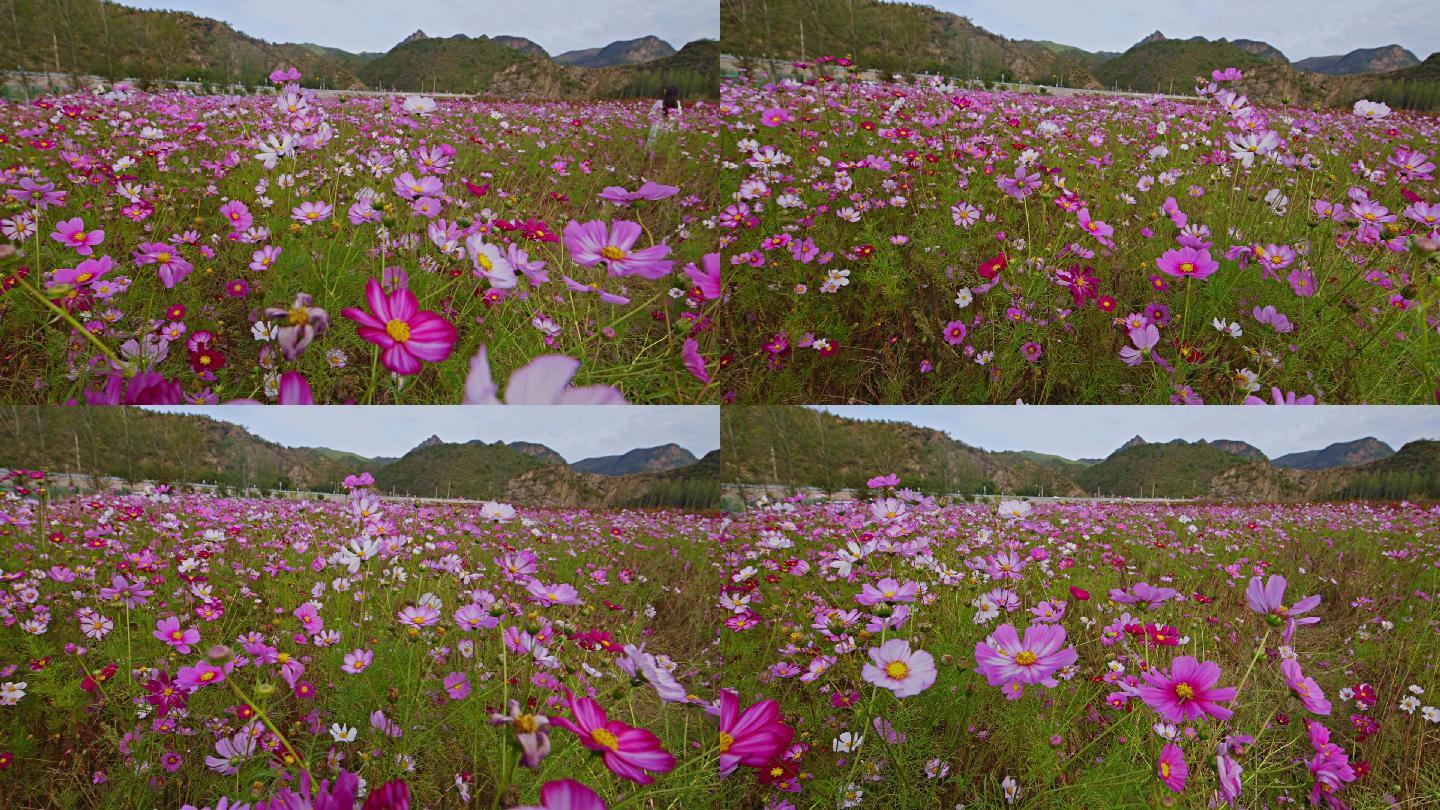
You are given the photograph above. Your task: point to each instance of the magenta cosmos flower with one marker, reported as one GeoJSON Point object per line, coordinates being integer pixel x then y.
{"type": "Point", "coordinates": [566, 794]}
{"type": "Point", "coordinates": [1003, 658]}
{"type": "Point", "coordinates": [1304, 687]}
{"type": "Point", "coordinates": [168, 631]}
{"type": "Point", "coordinates": [72, 232]}
{"type": "Point", "coordinates": [1269, 600]}
{"type": "Point", "coordinates": [628, 751]}
{"type": "Point", "coordinates": [1187, 692]}
{"type": "Point", "coordinates": [894, 666]}
{"type": "Point", "coordinates": [407, 333]}
{"type": "Point", "coordinates": [1171, 767]}
{"type": "Point", "coordinates": [754, 737]}
{"type": "Point", "coordinates": [591, 243]}
{"type": "Point", "coordinates": [1187, 262]}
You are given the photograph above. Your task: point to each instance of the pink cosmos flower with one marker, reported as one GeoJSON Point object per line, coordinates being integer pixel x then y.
{"type": "Point", "coordinates": [309, 618]}
{"type": "Point", "coordinates": [1304, 687]}
{"type": "Point", "coordinates": [542, 381]}
{"type": "Point", "coordinates": [649, 190]}
{"type": "Point", "coordinates": [628, 751]}
{"type": "Point", "coordinates": [168, 630]}
{"type": "Point", "coordinates": [357, 661]}
{"type": "Point", "coordinates": [1187, 692]}
{"type": "Point", "coordinates": [407, 333]}
{"type": "Point", "coordinates": [309, 213]}
{"type": "Point", "coordinates": [1004, 659]}
{"type": "Point", "coordinates": [755, 737]}
{"type": "Point", "coordinates": [410, 187]}
{"type": "Point", "coordinates": [1171, 767]}
{"type": "Point", "coordinates": [559, 594]}
{"type": "Point", "coordinates": [775, 116]}
{"type": "Point", "coordinates": [954, 333]}
{"type": "Point", "coordinates": [263, 258]}
{"type": "Point", "coordinates": [1269, 600]}
{"type": "Point", "coordinates": [169, 264]}
{"type": "Point", "coordinates": [1094, 227]}
{"type": "Point", "coordinates": [693, 361]}
{"type": "Point", "coordinates": [417, 616]}
{"type": "Point", "coordinates": [72, 232]}
{"type": "Point", "coordinates": [202, 674]}
{"type": "Point", "coordinates": [566, 794]}
{"type": "Point", "coordinates": [895, 667]}
{"type": "Point", "coordinates": [457, 685]}
{"type": "Point", "coordinates": [532, 733]}
{"type": "Point", "coordinates": [706, 277]}
{"type": "Point", "coordinates": [238, 215]}
{"type": "Point", "coordinates": [887, 590]}
{"type": "Point", "coordinates": [1187, 262]}
{"type": "Point", "coordinates": [1143, 594]}
{"type": "Point", "coordinates": [1282, 398]}
{"type": "Point", "coordinates": [591, 243]}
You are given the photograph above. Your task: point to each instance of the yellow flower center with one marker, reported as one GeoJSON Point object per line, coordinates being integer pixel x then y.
{"type": "Point", "coordinates": [299, 316]}
{"type": "Point", "coordinates": [1164, 770]}
{"type": "Point", "coordinates": [398, 330]}
{"type": "Point", "coordinates": [1187, 267]}
{"type": "Point", "coordinates": [163, 258]}
{"type": "Point", "coordinates": [525, 724]}
{"type": "Point", "coordinates": [84, 277]}
{"type": "Point", "coordinates": [726, 740]}
{"type": "Point", "coordinates": [207, 677]}
{"type": "Point", "coordinates": [612, 253]}
{"type": "Point", "coordinates": [1184, 691]}
{"type": "Point", "coordinates": [484, 262]}
{"type": "Point", "coordinates": [897, 670]}
{"type": "Point", "coordinates": [606, 738]}
{"type": "Point", "coordinates": [177, 635]}
{"type": "Point", "coordinates": [1026, 658]}
{"type": "Point", "coordinates": [313, 215]}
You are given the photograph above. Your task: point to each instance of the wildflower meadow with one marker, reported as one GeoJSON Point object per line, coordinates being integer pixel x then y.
{"type": "Point", "coordinates": [298, 246]}
{"type": "Point", "coordinates": [174, 649]}
{"type": "Point", "coordinates": [916, 240]}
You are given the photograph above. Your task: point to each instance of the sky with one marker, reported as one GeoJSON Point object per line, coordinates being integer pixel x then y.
{"type": "Point", "coordinates": [378, 25]}
{"type": "Point", "coordinates": [574, 432]}
{"type": "Point", "coordinates": [1096, 431]}
{"type": "Point", "coordinates": [1299, 28]}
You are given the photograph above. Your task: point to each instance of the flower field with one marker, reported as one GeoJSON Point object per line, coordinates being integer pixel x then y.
{"type": "Point", "coordinates": [915, 241]}
{"type": "Point", "coordinates": [300, 247]}
{"type": "Point", "coordinates": [223, 652]}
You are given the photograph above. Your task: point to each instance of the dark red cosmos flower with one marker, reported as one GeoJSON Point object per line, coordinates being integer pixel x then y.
{"type": "Point", "coordinates": [93, 680]}
{"type": "Point", "coordinates": [991, 268]}
{"type": "Point", "coordinates": [206, 359]}
{"type": "Point", "coordinates": [1080, 593]}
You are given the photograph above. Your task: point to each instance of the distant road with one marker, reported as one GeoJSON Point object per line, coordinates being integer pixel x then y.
{"type": "Point", "coordinates": [730, 66]}
{"type": "Point", "coordinates": [25, 80]}
{"type": "Point", "coordinates": [65, 484]}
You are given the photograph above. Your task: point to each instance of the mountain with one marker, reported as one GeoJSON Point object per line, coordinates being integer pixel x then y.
{"type": "Point", "coordinates": [1060, 464]}
{"type": "Point", "coordinates": [1134, 441]}
{"type": "Point", "coordinates": [138, 445]}
{"type": "Point", "coordinates": [804, 447]}
{"type": "Point", "coordinates": [1263, 51]}
{"type": "Point", "coordinates": [1239, 448]}
{"type": "Point", "coordinates": [1340, 454]}
{"type": "Point", "coordinates": [692, 70]}
{"type": "Point", "coordinates": [537, 451]}
{"type": "Point", "coordinates": [1361, 60]}
{"type": "Point", "coordinates": [695, 486]}
{"type": "Point", "coordinates": [418, 36]}
{"type": "Point", "coordinates": [525, 46]}
{"type": "Point", "coordinates": [1171, 65]}
{"type": "Point", "coordinates": [1416, 87]}
{"type": "Point", "coordinates": [625, 52]}
{"type": "Point", "coordinates": [1176, 469]}
{"type": "Point", "coordinates": [458, 64]}
{"type": "Point", "coordinates": [99, 38]}
{"type": "Point", "coordinates": [891, 37]}
{"type": "Point", "coordinates": [642, 459]}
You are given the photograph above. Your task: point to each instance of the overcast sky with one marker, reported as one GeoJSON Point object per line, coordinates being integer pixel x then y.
{"type": "Point", "coordinates": [392, 430]}
{"type": "Point", "coordinates": [378, 25]}
{"type": "Point", "coordinates": [1095, 431]}
{"type": "Point", "coordinates": [1299, 28]}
